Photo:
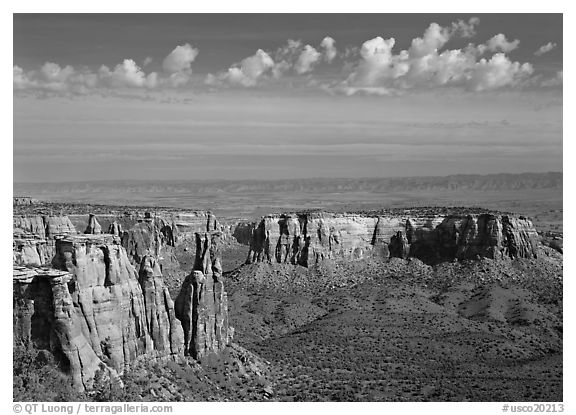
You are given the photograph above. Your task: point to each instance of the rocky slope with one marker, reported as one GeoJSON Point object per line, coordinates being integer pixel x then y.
{"type": "Point", "coordinates": [310, 237]}
{"type": "Point", "coordinates": [95, 311]}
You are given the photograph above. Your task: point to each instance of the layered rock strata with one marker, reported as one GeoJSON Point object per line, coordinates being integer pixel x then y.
{"type": "Point", "coordinates": [45, 314]}
{"type": "Point", "coordinates": [308, 238]}
{"type": "Point", "coordinates": [96, 312]}
{"type": "Point", "coordinates": [141, 235]}
{"type": "Point", "coordinates": [43, 226]}
{"type": "Point", "coordinates": [202, 304]}
{"type": "Point", "coordinates": [33, 238]}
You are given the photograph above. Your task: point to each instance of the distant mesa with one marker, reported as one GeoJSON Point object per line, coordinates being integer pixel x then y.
{"type": "Point", "coordinates": [310, 237]}
{"type": "Point", "coordinates": [23, 201]}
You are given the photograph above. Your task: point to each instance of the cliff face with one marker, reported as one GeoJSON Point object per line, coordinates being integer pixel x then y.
{"type": "Point", "coordinates": [45, 314]}
{"type": "Point", "coordinates": [141, 235]}
{"type": "Point", "coordinates": [308, 238]}
{"type": "Point", "coordinates": [43, 226]}
{"type": "Point", "coordinates": [110, 299]}
{"type": "Point", "coordinates": [202, 304]}
{"type": "Point", "coordinates": [95, 311]}
{"type": "Point", "coordinates": [148, 234]}
{"type": "Point", "coordinates": [33, 242]}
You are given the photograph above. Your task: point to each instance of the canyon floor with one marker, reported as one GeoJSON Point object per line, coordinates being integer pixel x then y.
{"type": "Point", "coordinates": [405, 331]}
{"type": "Point", "coordinates": [368, 330]}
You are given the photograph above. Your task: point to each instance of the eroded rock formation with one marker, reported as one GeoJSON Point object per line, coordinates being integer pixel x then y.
{"type": "Point", "coordinates": [94, 311]}
{"type": "Point", "coordinates": [308, 238]}
{"type": "Point", "coordinates": [202, 304]}
{"type": "Point", "coordinates": [45, 314]}
{"type": "Point", "coordinates": [164, 328]}
{"type": "Point", "coordinates": [93, 227]}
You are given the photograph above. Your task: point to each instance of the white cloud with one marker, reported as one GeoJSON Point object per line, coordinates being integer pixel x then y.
{"type": "Point", "coordinates": [20, 79]}
{"type": "Point", "coordinates": [127, 74]}
{"type": "Point", "coordinates": [434, 38]}
{"type": "Point", "coordinates": [499, 43]}
{"type": "Point", "coordinates": [376, 61]}
{"type": "Point", "coordinates": [285, 57]}
{"type": "Point", "coordinates": [465, 29]}
{"type": "Point", "coordinates": [545, 48]}
{"type": "Point", "coordinates": [180, 59]}
{"type": "Point", "coordinates": [250, 70]}
{"type": "Point", "coordinates": [52, 72]}
{"type": "Point", "coordinates": [307, 59]}
{"type": "Point", "coordinates": [426, 63]}
{"type": "Point", "coordinates": [373, 68]}
{"type": "Point", "coordinates": [497, 72]}
{"type": "Point", "coordinates": [330, 52]}
{"type": "Point", "coordinates": [147, 61]}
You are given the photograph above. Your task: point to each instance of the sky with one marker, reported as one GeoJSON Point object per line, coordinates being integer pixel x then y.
{"type": "Point", "coordinates": [256, 96]}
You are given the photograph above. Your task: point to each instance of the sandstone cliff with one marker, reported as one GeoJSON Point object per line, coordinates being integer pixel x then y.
{"type": "Point", "coordinates": [44, 313]}
{"type": "Point", "coordinates": [95, 311]}
{"type": "Point", "coordinates": [150, 233]}
{"type": "Point", "coordinates": [33, 238]}
{"type": "Point", "coordinates": [202, 304]}
{"type": "Point", "coordinates": [307, 238]}
{"type": "Point", "coordinates": [43, 226]}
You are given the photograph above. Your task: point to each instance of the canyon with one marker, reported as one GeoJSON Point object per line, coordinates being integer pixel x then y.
{"type": "Point", "coordinates": [108, 289]}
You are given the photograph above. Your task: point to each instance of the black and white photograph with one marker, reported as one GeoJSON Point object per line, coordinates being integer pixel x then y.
{"type": "Point", "coordinates": [286, 207]}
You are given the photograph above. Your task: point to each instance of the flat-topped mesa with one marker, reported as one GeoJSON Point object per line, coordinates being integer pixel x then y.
{"type": "Point", "coordinates": [307, 238]}
{"type": "Point", "coordinates": [182, 224]}
{"type": "Point", "coordinates": [23, 201]}
{"type": "Point", "coordinates": [202, 304]}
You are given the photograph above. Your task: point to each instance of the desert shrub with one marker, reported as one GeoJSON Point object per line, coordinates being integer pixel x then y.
{"type": "Point", "coordinates": [37, 376]}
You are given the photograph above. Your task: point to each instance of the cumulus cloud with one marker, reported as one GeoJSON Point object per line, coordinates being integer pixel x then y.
{"type": "Point", "coordinates": [127, 74]}
{"type": "Point", "coordinates": [292, 58]}
{"type": "Point", "coordinates": [499, 43]}
{"type": "Point", "coordinates": [434, 38]}
{"type": "Point", "coordinates": [178, 65]}
{"type": "Point", "coordinates": [376, 67]}
{"type": "Point", "coordinates": [497, 72]}
{"type": "Point", "coordinates": [20, 79]}
{"type": "Point", "coordinates": [465, 29]}
{"type": "Point", "coordinates": [545, 48]}
{"type": "Point", "coordinates": [250, 69]}
{"type": "Point", "coordinates": [427, 63]}
{"type": "Point", "coordinates": [308, 57]}
{"type": "Point", "coordinates": [51, 77]}
{"type": "Point", "coordinates": [329, 46]}
{"type": "Point", "coordinates": [180, 59]}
